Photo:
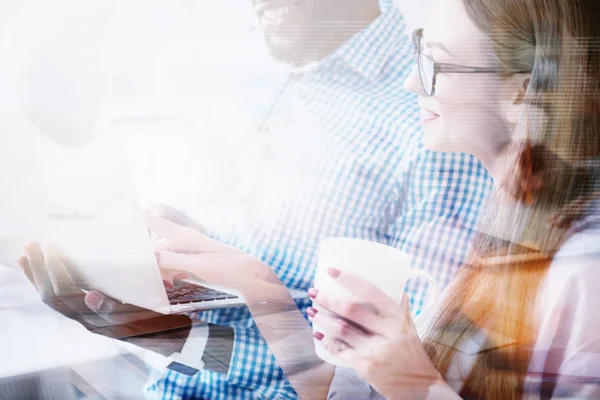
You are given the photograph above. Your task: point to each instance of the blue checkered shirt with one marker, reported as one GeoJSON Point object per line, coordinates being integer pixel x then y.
{"type": "Point", "coordinates": [343, 157]}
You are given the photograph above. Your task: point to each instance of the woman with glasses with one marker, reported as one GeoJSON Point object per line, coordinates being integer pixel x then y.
{"type": "Point", "coordinates": [517, 84]}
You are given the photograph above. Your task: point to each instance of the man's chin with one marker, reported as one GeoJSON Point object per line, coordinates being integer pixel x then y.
{"type": "Point", "coordinates": [284, 50]}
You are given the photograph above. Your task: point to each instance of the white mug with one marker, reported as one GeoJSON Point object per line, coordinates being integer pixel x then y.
{"type": "Point", "coordinates": [386, 267]}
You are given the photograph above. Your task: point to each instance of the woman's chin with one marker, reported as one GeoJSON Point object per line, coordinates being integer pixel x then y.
{"type": "Point", "coordinates": [436, 141]}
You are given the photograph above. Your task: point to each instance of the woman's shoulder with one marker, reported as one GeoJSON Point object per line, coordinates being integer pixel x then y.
{"type": "Point", "coordinates": [574, 269]}
{"type": "Point", "coordinates": [581, 246]}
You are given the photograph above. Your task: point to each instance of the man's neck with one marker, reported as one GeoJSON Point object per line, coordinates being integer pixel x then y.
{"type": "Point", "coordinates": [353, 18]}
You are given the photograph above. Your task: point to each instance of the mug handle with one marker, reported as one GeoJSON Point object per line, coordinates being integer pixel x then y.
{"type": "Point", "coordinates": [432, 303]}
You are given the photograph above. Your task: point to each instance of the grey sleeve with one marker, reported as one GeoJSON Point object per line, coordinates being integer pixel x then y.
{"type": "Point", "coordinates": [348, 385]}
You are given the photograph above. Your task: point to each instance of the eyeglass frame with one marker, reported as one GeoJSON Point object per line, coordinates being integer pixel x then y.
{"type": "Point", "coordinates": [442, 67]}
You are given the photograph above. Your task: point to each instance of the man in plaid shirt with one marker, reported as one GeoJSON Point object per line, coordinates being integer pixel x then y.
{"type": "Point", "coordinates": [335, 151]}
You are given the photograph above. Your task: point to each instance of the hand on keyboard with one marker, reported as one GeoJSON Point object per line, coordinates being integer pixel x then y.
{"type": "Point", "coordinates": [185, 249]}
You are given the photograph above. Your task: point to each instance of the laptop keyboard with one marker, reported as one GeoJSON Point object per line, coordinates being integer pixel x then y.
{"type": "Point", "coordinates": [188, 293]}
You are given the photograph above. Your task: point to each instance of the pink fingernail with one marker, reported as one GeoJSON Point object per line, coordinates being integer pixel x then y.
{"type": "Point", "coordinates": [94, 300]}
{"type": "Point", "coordinates": [311, 312]}
{"type": "Point", "coordinates": [333, 272]}
{"type": "Point", "coordinates": [318, 335]}
{"type": "Point", "coordinates": [312, 293]}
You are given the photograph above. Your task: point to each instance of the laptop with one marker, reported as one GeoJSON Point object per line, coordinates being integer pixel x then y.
{"type": "Point", "coordinates": [87, 208]}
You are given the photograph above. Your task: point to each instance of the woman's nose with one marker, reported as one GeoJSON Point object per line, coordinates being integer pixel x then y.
{"type": "Point", "coordinates": [413, 82]}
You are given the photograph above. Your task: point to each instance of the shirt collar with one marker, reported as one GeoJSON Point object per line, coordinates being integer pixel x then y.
{"type": "Point", "coordinates": [369, 50]}
{"type": "Point", "coordinates": [590, 217]}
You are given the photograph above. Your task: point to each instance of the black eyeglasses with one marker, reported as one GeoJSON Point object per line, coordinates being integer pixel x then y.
{"type": "Point", "coordinates": [428, 69]}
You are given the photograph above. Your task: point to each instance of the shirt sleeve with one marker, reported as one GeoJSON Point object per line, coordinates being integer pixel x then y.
{"type": "Point", "coordinates": [566, 358]}
{"type": "Point", "coordinates": [436, 213]}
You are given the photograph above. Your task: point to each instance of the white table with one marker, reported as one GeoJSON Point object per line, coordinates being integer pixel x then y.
{"type": "Point", "coordinates": [39, 344]}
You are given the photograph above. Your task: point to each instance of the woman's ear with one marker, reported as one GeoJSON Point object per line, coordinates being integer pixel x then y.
{"type": "Point", "coordinates": [517, 97]}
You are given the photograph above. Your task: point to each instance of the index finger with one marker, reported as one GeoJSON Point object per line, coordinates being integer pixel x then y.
{"type": "Point", "coordinates": [179, 238]}
{"type": "Point", "coordinates": [364, 290]}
